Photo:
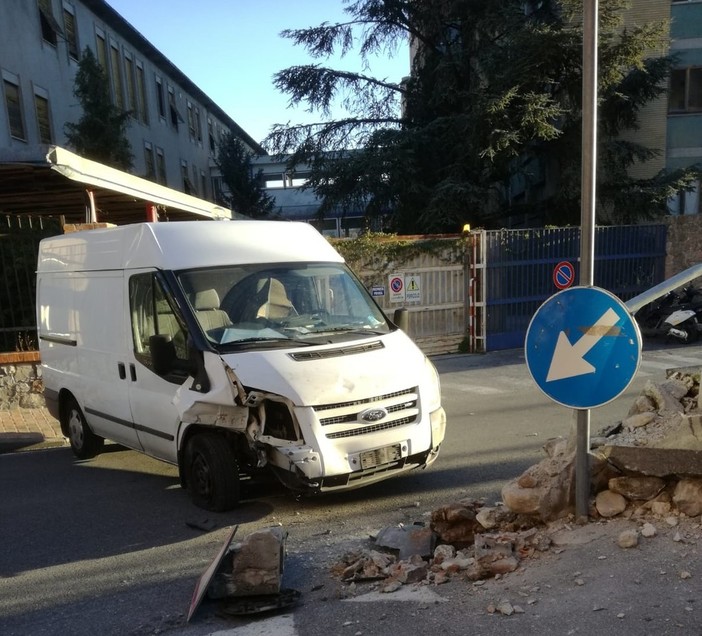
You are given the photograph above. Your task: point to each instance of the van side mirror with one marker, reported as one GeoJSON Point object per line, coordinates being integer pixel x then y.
{"type": "Point", "coordinates": [196, 360]}
{"type": "Point", "coordinates": [163, 353]}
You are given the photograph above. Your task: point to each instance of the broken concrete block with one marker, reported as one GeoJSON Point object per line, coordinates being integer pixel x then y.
{"type": "Point", "coordinates": [553, 494]}
{"type": "Point", "coordinates": [408, 572]}
{"type": "Point", "coordinates": [663, 399]}
{"type": "Point", "coordinates": [658, 462]}
{"type": "Point", "coordinates": [637, 487]}
{"type": "Point", "coordinates": [252, 567]}
{"type": "Point", "coordinates": [456, 523]}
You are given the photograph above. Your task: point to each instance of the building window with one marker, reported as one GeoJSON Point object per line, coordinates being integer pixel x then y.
{"type": "Point", "coordinates": [211, 136]}
{"type": "Point", "coordinates": [218, 189]}
{"type": "Point", "coordinates": [41, 106]}
{"type": "Point", "coordinates": [160, 166]}
{"type": "Point", "coordinates": [13, 103]}
{"type": "Point", "coordinates": [187, 186]}
{"type": "Point", "coordinates": [130, 83]}
{"type": "Point", "coordinates": [685, 90]}
{"type": "Point", "coordinates": [69, 27]}
{"type": "Point", "coordinates": [160, 98]}
{"type": "Point", "coordinates": [203, 184]}
{"type": "Point", "coordinates": [191, 121]}
{"type": "Point", "coordinates": [116, 77]}
{"type": "Point", "coordinates": [149, 161]}
{"type": "Point", "coordinates": [175, 115]}
{"type": "Point", "coordinates": [684, 203]}
{"type": "Point", "coordinates": [101, 46]}
{"type": "Point", "coordinates": [193, 183]}
{"type": "Point", "coordinates": [50, 29]}
{"type": "Point", "coordinates": [141, 94]}
{"type": "Point", "coordinates": [198, 125]}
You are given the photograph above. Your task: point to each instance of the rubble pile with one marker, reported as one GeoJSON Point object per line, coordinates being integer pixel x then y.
{"type": "Point", "coordinates": [653, 455]}
{"type": "Point", "coordinates": [465, 548]}
{"type": "Point", "coordinates": [646, 468]}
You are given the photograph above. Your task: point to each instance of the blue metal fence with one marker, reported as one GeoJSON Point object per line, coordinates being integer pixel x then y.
{"type": "Point", "coordinates": [520, 271]}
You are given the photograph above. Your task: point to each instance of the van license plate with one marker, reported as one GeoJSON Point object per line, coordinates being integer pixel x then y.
{"type": "Point", "coordinates": [379, 456]}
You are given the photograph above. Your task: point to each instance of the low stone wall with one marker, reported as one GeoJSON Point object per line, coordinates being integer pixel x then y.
{"type": "Point", "coordinates": [21, 385]}
{"type": "Point", "coordinates": [683, 245]}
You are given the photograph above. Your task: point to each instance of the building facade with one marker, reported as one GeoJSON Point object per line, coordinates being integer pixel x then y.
{"type": "Point", "coordinates": [684, 113]}
{"type": "Point", "coordinates": [174, 127]}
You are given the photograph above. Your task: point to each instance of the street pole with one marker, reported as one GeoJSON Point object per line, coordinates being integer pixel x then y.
{"type": "Point", "coordinates": [587, 232]}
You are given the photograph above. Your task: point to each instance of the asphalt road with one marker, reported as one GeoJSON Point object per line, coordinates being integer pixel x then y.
{"type": "Point", "coordinates": [113, 545]}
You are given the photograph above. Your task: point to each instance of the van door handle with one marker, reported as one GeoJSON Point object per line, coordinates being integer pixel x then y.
{"type": "Point", "coordinates": [121, 370]}
{"type": "Point", "coordinates": [132, 372]}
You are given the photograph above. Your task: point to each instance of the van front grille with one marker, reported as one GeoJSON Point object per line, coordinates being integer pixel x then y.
{"type": "Point", "coordinates": [343, 419]}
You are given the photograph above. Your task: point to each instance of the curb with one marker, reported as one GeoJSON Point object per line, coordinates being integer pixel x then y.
{"type": "Point", "coordinates": [11, 442]}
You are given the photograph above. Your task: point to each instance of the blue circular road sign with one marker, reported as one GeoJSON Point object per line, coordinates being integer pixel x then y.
{"type": "Point", "coordinates": [583, 347]}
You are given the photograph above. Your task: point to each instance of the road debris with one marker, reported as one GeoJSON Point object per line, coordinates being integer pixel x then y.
{"type": "Point", "coordinates": [246, 577]}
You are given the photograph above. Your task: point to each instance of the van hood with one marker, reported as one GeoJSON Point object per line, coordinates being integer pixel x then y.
{"type": "Point", "coordinates": [329, 374]}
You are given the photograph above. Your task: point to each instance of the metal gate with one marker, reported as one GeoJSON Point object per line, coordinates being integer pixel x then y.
{"type": "Point", "coordinates": [512, 273]}
{"type": "Point", "coordinates": [19, 245]}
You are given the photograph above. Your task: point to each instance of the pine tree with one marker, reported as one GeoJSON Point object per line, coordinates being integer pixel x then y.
{"type": "Point", "coordinates": [245, 192]}
{"type": "Point", "coordinates": [100, 133]}
{"type": "Point", "coordinates": [493, 99]}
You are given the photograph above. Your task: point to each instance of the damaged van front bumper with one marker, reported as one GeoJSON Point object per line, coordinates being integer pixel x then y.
{"type": "Point", "coordinates": [301, 468]}
{"type": "Point", "coordinates": [299, 481]}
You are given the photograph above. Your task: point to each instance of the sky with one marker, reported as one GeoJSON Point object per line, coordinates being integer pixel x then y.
{"type": "Point", "coordinates": [232, 48]}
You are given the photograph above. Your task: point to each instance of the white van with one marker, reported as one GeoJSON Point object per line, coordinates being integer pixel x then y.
{"type": "Point", "coordinates": [228, 349]}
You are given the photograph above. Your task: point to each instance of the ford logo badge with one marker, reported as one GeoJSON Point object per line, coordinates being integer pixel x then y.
{"type": "Point", "coordinates": [372, 415]}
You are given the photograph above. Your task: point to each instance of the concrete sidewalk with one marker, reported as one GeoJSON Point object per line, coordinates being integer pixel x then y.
{"type": "Point", "coordinates": [28, 429]}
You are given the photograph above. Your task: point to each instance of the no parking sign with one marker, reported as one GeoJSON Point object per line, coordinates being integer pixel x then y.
{"type": "Point", "coordinates": [396, 283]}
{"type": "Point", "coordinates": [563, 275]}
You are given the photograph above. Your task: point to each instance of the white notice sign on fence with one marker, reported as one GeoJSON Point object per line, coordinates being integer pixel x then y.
{"type": "Point", "coordinates": [413, 288]}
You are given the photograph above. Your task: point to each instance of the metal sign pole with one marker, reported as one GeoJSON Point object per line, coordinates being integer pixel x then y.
{"type": "Point", "coordinates": [587, 230]}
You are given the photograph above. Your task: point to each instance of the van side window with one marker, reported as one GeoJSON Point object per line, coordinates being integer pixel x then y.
{"type": "Point", "coordinates": [152, 314]}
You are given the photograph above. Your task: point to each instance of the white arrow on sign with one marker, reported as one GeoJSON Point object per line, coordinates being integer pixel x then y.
{"type": "Point", "coordinates": [568, 361]}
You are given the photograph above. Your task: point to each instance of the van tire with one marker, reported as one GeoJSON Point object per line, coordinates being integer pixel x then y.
{"type": "Point", "coordinates": [84, 443]}
{"type": "Point", "coordinates": [211, 472]}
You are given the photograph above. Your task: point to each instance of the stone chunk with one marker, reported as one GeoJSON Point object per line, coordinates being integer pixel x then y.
{"type": "Point", "coordinates": [610, 504]}
{"type": "Point", "coordinates": [688, 497]}
{"type": "Point", "coordinates": [628, 539]}
{"type": "Point", "coordinates": [638, 420]}
{"type": "Point", "coordinates": [637, 487]}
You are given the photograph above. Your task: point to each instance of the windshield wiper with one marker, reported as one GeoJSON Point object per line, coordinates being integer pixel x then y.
{"type": "Point", "coordinates": [258, 340]}
{"type": "Point", "coordinates": [359, 330]}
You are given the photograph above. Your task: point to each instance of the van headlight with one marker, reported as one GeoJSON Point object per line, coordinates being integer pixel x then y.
{"type": "Point", "coordinates": [432, 397]}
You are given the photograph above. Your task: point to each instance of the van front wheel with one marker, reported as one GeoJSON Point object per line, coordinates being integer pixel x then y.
{"type": "Point", "coordinates": [84, 443]}
{"type": "Point", "coordinates": [211, 472]}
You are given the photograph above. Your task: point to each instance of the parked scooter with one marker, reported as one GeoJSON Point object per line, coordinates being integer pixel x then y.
{"type": "Point", "coordinates": [676, 315]}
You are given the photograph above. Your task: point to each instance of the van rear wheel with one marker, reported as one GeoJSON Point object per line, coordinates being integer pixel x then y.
{"type": "Point", "coordinates": [212, 472]}
{"type": "Point", "coordinates": [84, 443]}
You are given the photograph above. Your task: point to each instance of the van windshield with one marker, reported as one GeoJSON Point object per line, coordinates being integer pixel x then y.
{"type": "Point", "coordinates": [276, 305]}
